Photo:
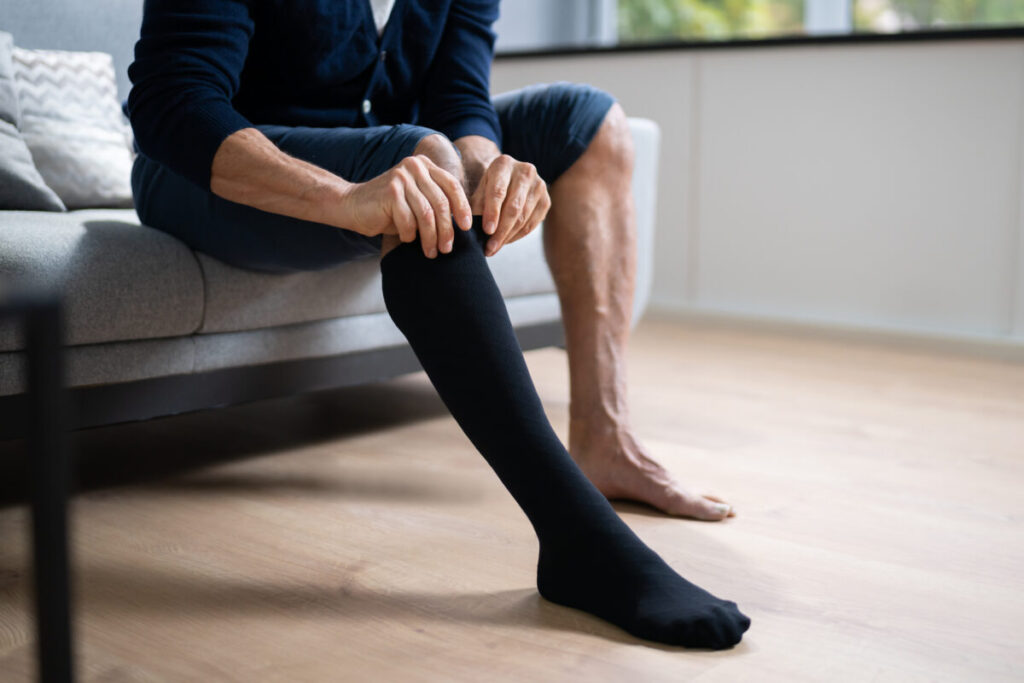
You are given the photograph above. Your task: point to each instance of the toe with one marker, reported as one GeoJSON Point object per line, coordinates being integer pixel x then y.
{"type": "Point", "coordinates": [712, 631]}
{"type": "Point", "coordinates": [716, 499]}
{"type": "Point", "coordinates": [741, 620]}
{"type": "Point", "coordinates": [744, 621]}
{"type": "Point", "coordinates": [691, 505]}
{"type": "Point", "coordinates": [730, 628]}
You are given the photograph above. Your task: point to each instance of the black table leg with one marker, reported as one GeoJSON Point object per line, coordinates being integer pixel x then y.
{"type": "Point", "coordinates": [50, 475]}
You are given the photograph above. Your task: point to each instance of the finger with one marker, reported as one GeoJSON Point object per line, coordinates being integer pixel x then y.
{"type": "Point", "coordinates": [424, 213]}
{"type": "Point", "coordinates": [456, 195]}
{"type": "Point", "coordinates": [511, 210]}
{"type": "Point", "coordinates": [401, 215]}
{"type": "Point", "coordinates": [538, 211]}
{"type": "Point", "coordinates": [438, 202]}
{"type": "Point", "coordinates": [495, 187]}
{"type": "Point", "coordinates": [519, 229]}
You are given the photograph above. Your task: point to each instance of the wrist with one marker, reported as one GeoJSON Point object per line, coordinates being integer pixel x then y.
{"type": "Point", "coordinates": [331, 199]}
{"type": "Point", "coordinates": [477, 154]}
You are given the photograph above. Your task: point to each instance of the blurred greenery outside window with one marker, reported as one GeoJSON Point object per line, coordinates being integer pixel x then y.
{"type": "Point", "coordinates": [644, 21]}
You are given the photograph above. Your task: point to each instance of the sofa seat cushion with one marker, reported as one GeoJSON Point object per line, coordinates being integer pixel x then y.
{"type": "Point", "coordinates": [347, 334]}
{"type": "Point", "coordinates": [107, 363]}
{"type": "Point", "coordinates": [122, 281]}
{"type": "Point", "coordinates": [238, 300]}
{"type": "Point", "coordinates": [129, 361]}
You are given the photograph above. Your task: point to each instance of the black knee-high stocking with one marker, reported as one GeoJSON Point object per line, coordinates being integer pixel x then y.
{"type": "Point", "coordinates": [453, 315]}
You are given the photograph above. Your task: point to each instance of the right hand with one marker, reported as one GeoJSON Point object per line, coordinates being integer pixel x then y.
{"type": "Point", "coordinates": [414, 198]}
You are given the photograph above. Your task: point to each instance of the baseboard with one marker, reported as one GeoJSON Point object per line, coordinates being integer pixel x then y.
{"type": "Point", "coordinates": [1009, 349]}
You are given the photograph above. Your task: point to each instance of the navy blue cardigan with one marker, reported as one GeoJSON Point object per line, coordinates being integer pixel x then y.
{"type": "Point", "coordinates": [204, 69]}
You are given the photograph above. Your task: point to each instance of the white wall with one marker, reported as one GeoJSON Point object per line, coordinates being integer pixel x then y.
{"type": "Point", "coordinates": [529, 26]}
{"type": "Point", "coordinates": [873, 185]}
{"type": "Point", "coordinates": [537, 24]}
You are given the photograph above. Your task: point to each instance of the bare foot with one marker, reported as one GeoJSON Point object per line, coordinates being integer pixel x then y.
{"type": "Point", "coordinates": [620, 468]}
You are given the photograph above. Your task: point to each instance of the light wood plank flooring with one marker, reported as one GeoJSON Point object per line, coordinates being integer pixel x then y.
{"type": "Point", "coordinates": [355, 535]}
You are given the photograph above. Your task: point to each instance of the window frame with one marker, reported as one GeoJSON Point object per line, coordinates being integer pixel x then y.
{"type": "Point", "coordinates": [927, 35]}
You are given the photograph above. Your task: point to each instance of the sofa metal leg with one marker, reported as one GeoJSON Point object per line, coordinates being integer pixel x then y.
{"type": "Point", "coordinates": [50, 475]}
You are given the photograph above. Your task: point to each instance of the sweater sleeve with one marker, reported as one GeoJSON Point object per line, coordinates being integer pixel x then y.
{"type": "Point", "coordinates": [186, 71]}
{"type": "Point", "coordinates": [456, 98]}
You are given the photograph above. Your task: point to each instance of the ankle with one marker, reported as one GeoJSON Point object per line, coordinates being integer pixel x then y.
{"type": "Point", "coordinates": [596, 428]}
{"type": "Point", "coordinates": [611, 411]}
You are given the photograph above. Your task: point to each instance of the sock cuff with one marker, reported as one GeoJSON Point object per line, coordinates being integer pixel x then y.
{"type": "Point", "coordinates": [462, 240]}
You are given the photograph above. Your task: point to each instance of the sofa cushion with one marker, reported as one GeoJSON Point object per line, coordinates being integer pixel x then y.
{"type": "Point", "coordinates": [128, 361]}
{"type": "Point", "coordinates": [21, 186]}
{"type": "Point", "coordinates": [108, 363]}
{"type": "Point", "coordinates": [247, 300]}
{"type": "Point", "coordinates": [346, 334]}
{"type": "Point", "coordinates": [72, 122]}
{"type": "Point", "coordinates": [122, 281]}
{"type": "Point", "coordinates": [125, 281]}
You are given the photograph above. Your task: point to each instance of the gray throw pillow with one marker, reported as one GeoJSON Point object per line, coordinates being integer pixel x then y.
{"type": "Point", "coordinates": [73, 125]}
{"type": "Point", "coordinates": [21, 186]}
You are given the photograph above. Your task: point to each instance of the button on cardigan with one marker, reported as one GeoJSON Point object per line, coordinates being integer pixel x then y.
{"type": "Point", "coordinates": [204, 69]}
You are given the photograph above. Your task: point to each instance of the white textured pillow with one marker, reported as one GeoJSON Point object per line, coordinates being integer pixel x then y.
{"type": "Point", "coordinates": [21, 186]}
{"type": "Point", "coordinates": [73, 125]}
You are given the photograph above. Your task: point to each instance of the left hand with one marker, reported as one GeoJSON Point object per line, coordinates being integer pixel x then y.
{"type": "Point", "coordinates": [513, 199]}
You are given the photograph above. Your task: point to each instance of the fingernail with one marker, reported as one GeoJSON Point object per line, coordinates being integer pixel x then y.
{"type": "Point", "coordinates": [723, 509]}
{"type": "Point", "coordinates": [447, 246]}
{"type": "Point", "coordinates": [433, 252]}
{"type": "Point", "coordinates": [490, 250]}
{"type": "Point", "coordinates": [489, 228]}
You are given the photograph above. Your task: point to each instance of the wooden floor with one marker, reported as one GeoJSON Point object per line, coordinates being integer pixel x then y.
{"type": "Point", "coordinates": [355, 535]}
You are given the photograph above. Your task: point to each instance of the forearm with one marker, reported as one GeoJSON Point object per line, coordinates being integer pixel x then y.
{"type": "Point", "coordinates": [477, 154]}
{"type": "Point", "coordinates": [249, 169]}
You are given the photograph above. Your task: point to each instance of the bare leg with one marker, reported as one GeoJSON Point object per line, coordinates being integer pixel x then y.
{"type": "Point", "coordinates": [590, 245]}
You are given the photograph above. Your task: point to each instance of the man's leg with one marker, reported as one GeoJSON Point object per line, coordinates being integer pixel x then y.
{"type": "Point", "coordinates": [249, 238]}
{"type": "Point", "coordinates": [452, 313]}
{"type": "Point", "coordinates": [590, 244]}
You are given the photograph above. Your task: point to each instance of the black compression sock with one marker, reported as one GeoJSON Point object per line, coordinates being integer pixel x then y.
{"type": "Point", "coordinates": [453, 315]}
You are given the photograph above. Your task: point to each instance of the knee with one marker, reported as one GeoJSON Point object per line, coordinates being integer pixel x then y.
{"type": "Point", "coordinates": [442, 152]}
{"type": "Point", "coordinates": [612, 147]}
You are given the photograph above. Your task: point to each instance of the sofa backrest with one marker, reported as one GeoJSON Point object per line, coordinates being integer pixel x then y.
{"type": "Point", "coordinates": [101, 25]}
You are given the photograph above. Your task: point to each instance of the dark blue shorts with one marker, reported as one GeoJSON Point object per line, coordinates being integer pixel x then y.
{"type": "Point", "coordinates": [548, 125]}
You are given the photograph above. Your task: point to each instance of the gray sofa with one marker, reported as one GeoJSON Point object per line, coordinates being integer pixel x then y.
{"type": "Point", "coordinates": [155, 328]}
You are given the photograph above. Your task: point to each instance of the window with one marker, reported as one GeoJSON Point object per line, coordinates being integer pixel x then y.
{"type": "Point", "coordinates": [913, 15]}
{"type": "Point", "coordinates": [542, 24]}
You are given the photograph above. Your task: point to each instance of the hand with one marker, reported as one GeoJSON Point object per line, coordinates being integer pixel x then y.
{"type": "Point", "coordinates": [415, 197]}
{"type": "Point", "coordinates": [513, 199]}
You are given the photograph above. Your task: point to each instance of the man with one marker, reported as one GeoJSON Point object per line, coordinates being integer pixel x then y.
{"type": "Point", "coordinates": [297, 135]}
